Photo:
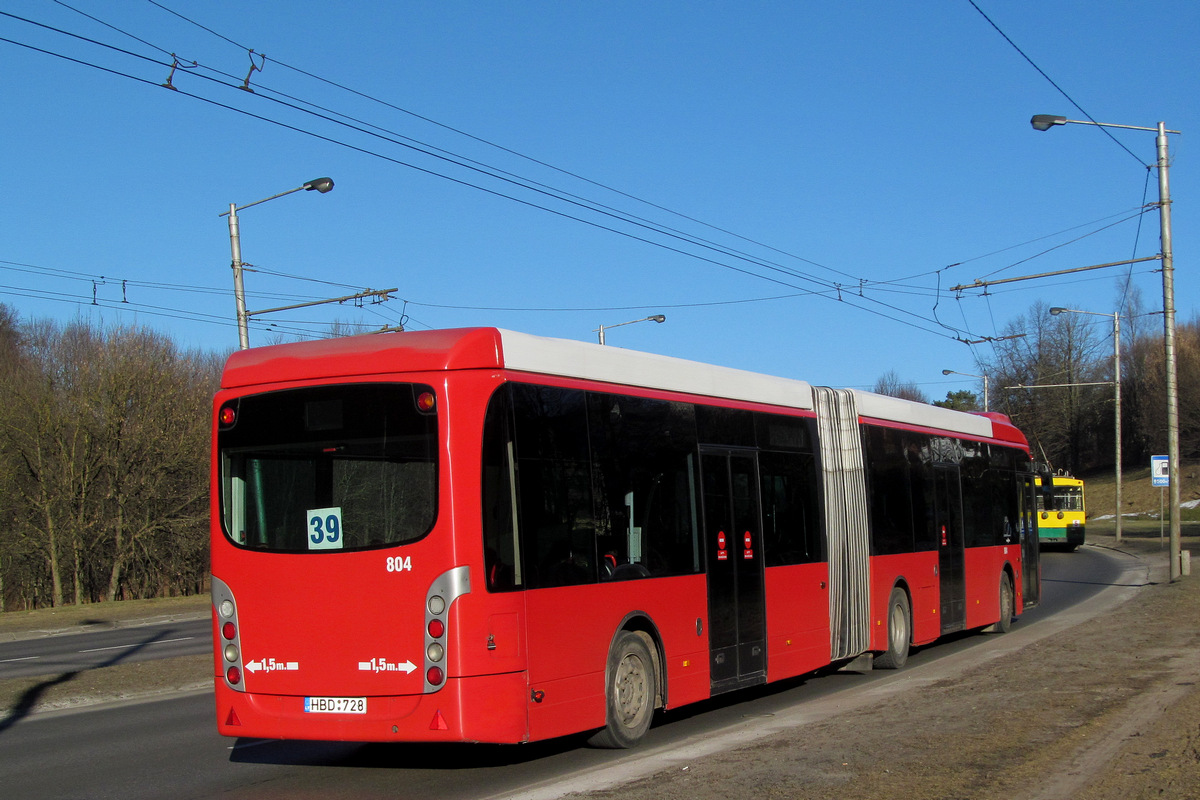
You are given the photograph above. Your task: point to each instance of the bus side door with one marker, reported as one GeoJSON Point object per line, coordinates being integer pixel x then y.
{"type": "Point", "coordinates": [1031, 568]}
{"type": "Point", "coordinates": [948, 521]}
{"type": "Point", "coordinates": [736, 608]}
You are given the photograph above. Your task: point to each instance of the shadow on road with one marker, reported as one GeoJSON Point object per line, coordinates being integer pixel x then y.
{"type": "Point", "coordinates": [397, 755]}
{"type": "Point", "coordinates": [29, 700]}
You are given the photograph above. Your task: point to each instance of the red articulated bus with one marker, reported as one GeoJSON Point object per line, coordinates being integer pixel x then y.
{"type": "Point", "coordinates": [484, 536]}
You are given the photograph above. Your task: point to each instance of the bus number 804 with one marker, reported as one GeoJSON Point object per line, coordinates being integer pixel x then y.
{"type": "Point", "coordinates": [399, 563]}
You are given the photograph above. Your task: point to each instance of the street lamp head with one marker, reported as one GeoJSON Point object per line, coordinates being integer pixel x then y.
{"type": "Point", "coordinates": [1044, 122]}
{"type": "Point", "coordinates": [1054, 312]}
{"type": "Point", "coordinates": [658, 318]}
{"type": "Point", "coordinates": [948, 372]}
{"type": "Point", "coordinates": [322, 185]}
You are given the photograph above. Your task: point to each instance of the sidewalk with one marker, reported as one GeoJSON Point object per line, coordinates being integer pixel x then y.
{"type": "Point", "coordinates": [1103, 704]}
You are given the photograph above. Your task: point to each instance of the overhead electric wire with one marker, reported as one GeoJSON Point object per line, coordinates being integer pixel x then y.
{"type": "Point", "coordinates": [1142, 209]}
{"type": "Point", "coordinates": [836, 293]}
{"type": "Point", "coordinates": [489, 170]}
{"type": "Point", "coordinates": [502, 148]}
{"type": "Point", "coordinates": [653, 227]}
{"type": "Point", "coordinates": [1050, 80]}
{"type": "Point", "coordinates": [830, 290]}
{"type": "Point", "coordinates": [1137, 237]}
{"type": "Point", "coordinates": [833, 291]}
{"type": "Point", "coordinates": [590, 204]}
{"type": "Point", "coordinates": [134, 283]}
{"type": "Point", "coordinates": [1059, 246]}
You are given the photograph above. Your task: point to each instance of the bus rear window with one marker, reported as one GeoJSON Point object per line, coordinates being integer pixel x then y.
{"type": "Point", "coordinates": [329, 468]}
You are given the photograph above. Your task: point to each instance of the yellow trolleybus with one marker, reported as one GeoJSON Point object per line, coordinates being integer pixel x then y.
{"type": "Point", "coordinates": [1061, 518]}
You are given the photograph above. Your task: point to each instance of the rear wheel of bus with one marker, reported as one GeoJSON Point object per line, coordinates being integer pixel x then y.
{"type": "Point", "coordinates": [631, 688]}
{"type": "Point", "coordinates": [1008, 602]}
{"type": "Point", "coordinates": [899, 631]}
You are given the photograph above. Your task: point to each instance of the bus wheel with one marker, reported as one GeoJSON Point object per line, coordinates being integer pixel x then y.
{"type": "Point", "coordinates": [631, 689]}
{"type": "Point", "coordinates": [1008, 603]}
{"type": "Point", "coordinates": [899, 630]}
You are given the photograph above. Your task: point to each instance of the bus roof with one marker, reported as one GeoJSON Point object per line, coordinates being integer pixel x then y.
{"type": "Point", "coordinates": [495, 348]}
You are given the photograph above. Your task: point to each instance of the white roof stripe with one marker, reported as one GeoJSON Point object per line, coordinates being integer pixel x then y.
{"type": "Point", "coordinates": [569, 358]}
{"type": "Point", "coordinates": [893, 409]}
{"type": "Point", "coordinates": [633, 368]}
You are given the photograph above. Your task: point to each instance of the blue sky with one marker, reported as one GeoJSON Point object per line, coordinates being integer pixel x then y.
{"type": "Point", "coordinates": [794, 185]}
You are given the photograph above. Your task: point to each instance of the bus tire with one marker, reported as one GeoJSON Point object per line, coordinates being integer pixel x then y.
{"type": "Point", "coordinates": [631, 688]}
{"type": "Point", "coordinates": [899, 631]}
{"type": "Point", "coordinates": [1008, 604]}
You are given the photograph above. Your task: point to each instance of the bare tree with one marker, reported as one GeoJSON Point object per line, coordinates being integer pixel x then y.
{"type": "Point", "coordinates": [104, 463]}
{"type": "Point", "coordinates": [1055, 355]}
{"type": "Point", "coordinates": [892, 385]}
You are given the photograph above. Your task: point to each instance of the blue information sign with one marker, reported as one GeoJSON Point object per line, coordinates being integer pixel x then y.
{"type": "Point", "coordinates": [1160, 471]}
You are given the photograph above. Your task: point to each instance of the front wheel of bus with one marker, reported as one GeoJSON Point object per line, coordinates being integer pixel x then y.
{"type": "Point", "coordinates": [631, 689]}
{"type": "Point", "coordinates": [899, 629]}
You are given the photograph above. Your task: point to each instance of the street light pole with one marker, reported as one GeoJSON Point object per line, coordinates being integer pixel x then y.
{"type": "Point", "coordinates": [1043, 122]}
{"type": "Point", "coordinates": [1168, 279]}
{"type": "Point", "coordinates": [652, 318]}
{"type": "Point", "coordinates": [1116, 393]}
{"type": "Point", "coordinates": [321, 185]}
{"type": "Point", "coordinates": [239, 289]}
{"type": "Point", "coordinates": [969, 375]}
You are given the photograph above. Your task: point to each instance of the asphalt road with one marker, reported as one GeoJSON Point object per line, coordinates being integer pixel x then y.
{"type": "Point", "coordinates": [170, 748]}
{"type": "Point", "coordinates": [75, 652]}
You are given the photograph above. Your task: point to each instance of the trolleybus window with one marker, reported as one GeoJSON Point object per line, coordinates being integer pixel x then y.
{"type": "Point", "coordinates": [899, 474]}
{"type": "Point", "coordinates": [643, 453]}
{"type": "Point", "coordinates": [605, 485]}
{"type": "Point", "coordinates": [604, 488]}
{"type": "Point", "coordinates": [330, 468]}
{"type": "Point", "coordinates": [791, 519]}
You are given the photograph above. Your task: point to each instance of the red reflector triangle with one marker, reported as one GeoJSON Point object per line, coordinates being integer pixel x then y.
{"type": "Point", "coordinates": [439, 722]}
{"type": "Point", "coordinates": [232, 719]}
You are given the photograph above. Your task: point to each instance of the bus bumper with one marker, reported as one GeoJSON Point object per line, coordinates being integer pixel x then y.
{"type": "Point", "coordinates": [490, 708]}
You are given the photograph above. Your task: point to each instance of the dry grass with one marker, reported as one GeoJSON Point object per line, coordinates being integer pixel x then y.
{"type": "Point", "coordinates": [1137, 495]}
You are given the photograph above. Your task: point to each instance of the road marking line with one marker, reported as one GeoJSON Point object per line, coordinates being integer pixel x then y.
{"type": "Point", "coordinates": [128, 646]}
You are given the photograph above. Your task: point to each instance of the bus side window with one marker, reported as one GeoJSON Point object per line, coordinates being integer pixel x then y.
{"type": "Point", "coordinates": [644, 486]}
{"type": "Point", "coordinates": [790, 509]}
{"type": "Point", "coordinates": [890, 483]}
{"type": "Point", "coordinates": [501, 546]}
{"type": "Point", "coordinates": [553, 475]}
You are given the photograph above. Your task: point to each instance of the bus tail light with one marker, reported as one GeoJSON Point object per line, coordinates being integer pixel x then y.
{"type": "Point", "coordinates": [230, 644]}
{"type": "Point", "coordinates": [447, 588]}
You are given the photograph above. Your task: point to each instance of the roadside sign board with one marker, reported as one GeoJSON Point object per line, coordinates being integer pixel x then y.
{"type": "Point", "coordinates": [1160, 471]}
